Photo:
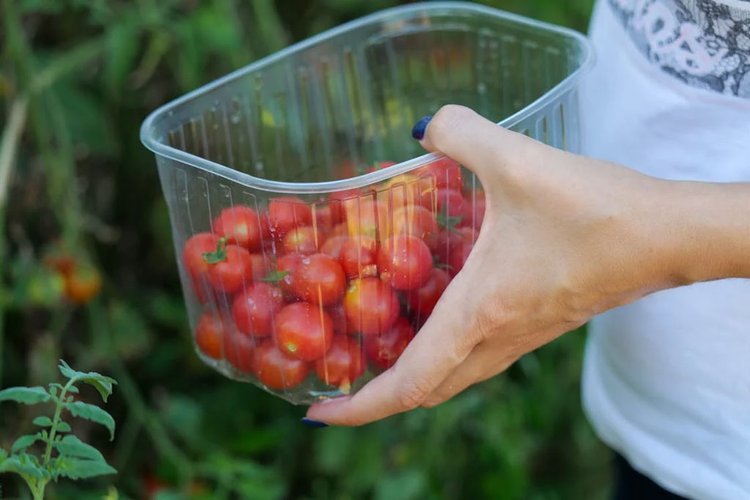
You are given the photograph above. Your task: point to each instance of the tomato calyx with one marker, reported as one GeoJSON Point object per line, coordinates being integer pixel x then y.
{"type": "Point", "coordinates": [275, 276]}
{"type": "Point", "coordinates": [218, 255]}
{"type": "Point", "coordinates": [449, 222]}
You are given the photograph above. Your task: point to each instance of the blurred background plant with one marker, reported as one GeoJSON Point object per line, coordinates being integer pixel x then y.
{"type": "Point", "coordinates": [88, 273]}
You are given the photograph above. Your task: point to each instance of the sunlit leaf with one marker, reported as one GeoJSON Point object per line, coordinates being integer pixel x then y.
{"type": "Point", "coordinates": [25, 395]}
{"type": "Point", "coordinates": [94, 413]}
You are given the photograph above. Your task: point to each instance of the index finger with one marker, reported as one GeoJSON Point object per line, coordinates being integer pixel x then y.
{"type": "Point", "coordinates": [440, 346]}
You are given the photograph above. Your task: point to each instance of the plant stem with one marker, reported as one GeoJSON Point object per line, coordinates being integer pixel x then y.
{"type": "Point", "coordinates": [59, 402]}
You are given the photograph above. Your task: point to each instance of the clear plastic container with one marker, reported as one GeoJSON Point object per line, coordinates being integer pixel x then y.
{"type": "Point", "coordinates": [312, 233]}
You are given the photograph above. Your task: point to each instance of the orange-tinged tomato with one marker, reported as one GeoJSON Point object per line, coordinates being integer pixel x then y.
{"type": "Point", "coordinates": [82, 284]}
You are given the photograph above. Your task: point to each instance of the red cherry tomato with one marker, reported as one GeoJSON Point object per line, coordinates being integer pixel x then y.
{"type": "Point", "coordinates": [416, 221]}
{"type": "Point", "coordinates": [359, 256]}
{"type": "Point", "coordinates": [209, 335]}
{"type": "Point", "coordinates": [302, 240]}
{"type": "Point", "coordinates": [333, 247]}
{"type": "Point", "coordinates": [241, 225]}
{"type": "Point", "coordinates": [342, 364]}
{"type": "Point", "coordinates": [450, 203]}
{"type": "Point", "coordinates": [286, 213]}
{"type": "Point", "coordinates": [303, 331]}
{"type": "Point", "coordinates": [319, 279]}
{"type": "Point", "coordinates": [457, 258]}
{"type": "Point", "coordinates": [448, 242]}
{"type": "Point", "coordinates": [285, 267]}
{"type": "Point", "coordinates": [404, 190]}
{"type": "Point", "coordinates": [253, 310]}
{"type": "Point", "coordinates": [405, 262]}
{"type": "Point", "coordinates": [336, 203]}
{"type": "Point", "coordinates": [260, 266]}
{"type": "Point", "coordinates": [473, 212]}
{"type": "Point", "coordinates": [193, 250]}
{"type": "Point", "coordinates": [446, 173]}
{"type": "Point", "coordinates": [383, 350]}
{"type": "Point", "coordinates": [338, 316]}
{"type": "Point", "coordinates": [323, 217]}
{"type": "Point", "coordinates": [278, 371]}
{"type": "Point", "coordinates": [423, 300]}
{"type": "Point", "coordinates": [371, 306]}
{"type": "Point", "coordinates": [239, 350]}
{"type": "Point", "coordinates": [230, 269]}
{"type": "Point", "coordinates": [365, 217]}
{"type": "Point", "coordinates": [340, 230]}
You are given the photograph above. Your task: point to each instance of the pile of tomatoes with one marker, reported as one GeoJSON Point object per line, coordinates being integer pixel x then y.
{"type": "Point", "coordinates": [333, 286]}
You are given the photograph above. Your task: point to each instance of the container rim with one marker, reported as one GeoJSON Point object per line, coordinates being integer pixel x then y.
{"type": "Point", "coordinates": [162, 149]}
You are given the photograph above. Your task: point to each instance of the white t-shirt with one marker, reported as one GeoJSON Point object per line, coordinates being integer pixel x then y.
{"type": "Point", "coordinates": [666, 380]}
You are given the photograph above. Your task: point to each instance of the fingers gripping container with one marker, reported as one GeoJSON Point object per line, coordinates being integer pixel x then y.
{"type": "Point", "coordinates": [312, 233]}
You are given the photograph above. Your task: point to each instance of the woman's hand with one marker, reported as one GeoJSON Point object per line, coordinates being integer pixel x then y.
{"type": "Point", "coordinates": [564, 238]}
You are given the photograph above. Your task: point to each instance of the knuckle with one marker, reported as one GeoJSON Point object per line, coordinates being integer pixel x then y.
{"type": "Point", "coordinates": [413, 394]}
{"type": "Point", "coordinates": [445, 121]}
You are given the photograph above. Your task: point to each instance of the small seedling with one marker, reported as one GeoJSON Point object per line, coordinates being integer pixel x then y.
{"type": "Point", "coordinates": [64, 454]}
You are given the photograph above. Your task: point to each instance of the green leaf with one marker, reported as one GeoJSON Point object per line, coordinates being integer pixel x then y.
{"type": "Point", "coordinates": [448, 222]}
{"type": "Point", "coordinates": [24, 442]}
{"type": "Point", "coordinates": [25, 395]}
{"type": "Point", "coordinates": [77, 468]}
{"type": "Point", "coordinates": [23, 463]}
{"type": "Point", "coordinates": [63, 426]}
{"type": "Point", "coordinates": [3, 455]}
{"type": "Point", "coordinates": [122, 49]}
{"type": "Point", "coordinates": [73, 447]}
{"type": "Point", "coordinates": [42, 421]}
{"type": "Point", "coordinates": [219, 255]}
{"type": "Point", "coordinates": [275, 276]}
{"type": "Point", "coordinates": [93, 413]}
{"type": "Point", "coordinates": [101, 383]}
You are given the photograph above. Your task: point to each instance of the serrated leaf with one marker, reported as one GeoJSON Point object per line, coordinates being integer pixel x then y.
{"type": "Point", "coordinates": [101, 383]}
{"type": "Point", "coordinates": [25, 395]}
{"type": "Point", "coordinates": [24, 442]}
{"type": "Point", "coordinates": [78, 468]}
{"type": "Point", "coordinates": [94, 413]}
{"type": "Point", "coordinates": [73, 447]}
{"type": "Point", "coordinates": [42, 421]}
{"type": "Point", "coordinates": [23, 464]}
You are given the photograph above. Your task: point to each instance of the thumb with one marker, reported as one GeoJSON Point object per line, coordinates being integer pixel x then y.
{"type": "Point", "coordinates": [465, 136]}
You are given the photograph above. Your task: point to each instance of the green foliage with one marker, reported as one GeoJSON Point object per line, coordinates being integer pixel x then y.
{"type": "Point", "coordinates": [72, 458]}
{"type": "Point", "coordinates": [78, 77]}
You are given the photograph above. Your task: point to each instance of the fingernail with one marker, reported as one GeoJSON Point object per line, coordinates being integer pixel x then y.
{"type": "Point", "coordinates": [420, 127]}
{"type": "Point", "coordinates": [313, 423]}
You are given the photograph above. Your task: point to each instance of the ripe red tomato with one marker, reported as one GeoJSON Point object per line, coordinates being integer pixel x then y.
{"type": "Point", "coordinates": [333, 247]}
{"type": "Point", "coordinates": [302, 240]}
{"type": "Point", "coordinates": [336, 203]}
{"type": "Point", "coordinates": [359, 256]}
{"type": "Point", "coordinates": [340, 230]}
{"type": "Point", "coordinates": [423, 300]}
{"type": "Point", "coordinates": [239, 350]}
{"type": "Point", "coordinates": [383, 350]}
{"type": "Point", "coordinates": [371, 306]}
{"type": "Point", "coordinates": [450, 203]}
{"type": "Point", "coordinates": [365, 216]}
{"type": "Point", "coordinates": [230, 269]}
{"type": "Point", "coordinates": [457, 258]}
{"type": "Point", "coordinates": [241, 225]}
{"type": "Point", "coordinates": [324, 217]}
{"type": "Point", "coordinates": [253, 310]}
{"type": "Point", "coordinates": [338, 316]}
{"type": "Point", "coordinates": [342, 364]}
{"type": "Point", "coordinates": [303, 331]}
{"type": "Point", "coordinates": [260, 266]}
{"type": "Point", "coordinates": [405, 262]}
{"type": "Point", "coordinates": [285, 267]}
{"type": "Point", "coordinates": [446, 173]}
{"type": "Point", "coordinates": [449, 241]}
{"type": "Point", "coordinates": [209, 335]}
{"type": "Point", "coordinates": [278, 371]}
{"type": "Point", "coordinates": [416, 221]}
{"type": "Point", "coordinates": [473, 212]}
{"type": "Point", "coordinates": [319, 279]}
{"type": "Point", "coordinates": [286, 213]}
{"type": "Point", "coordinates": [193, 250]}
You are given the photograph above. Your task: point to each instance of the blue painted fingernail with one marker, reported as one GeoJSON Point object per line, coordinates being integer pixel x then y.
{"type": "Point", "coordinates": [420, 127]}
{"type": "Point", "coordinates": [313, 423]}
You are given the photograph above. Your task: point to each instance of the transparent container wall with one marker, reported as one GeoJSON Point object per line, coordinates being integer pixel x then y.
{"type": "Point", "coordinates": [352, 99]}
{"type": "Point", "coordinates": [330, 109]}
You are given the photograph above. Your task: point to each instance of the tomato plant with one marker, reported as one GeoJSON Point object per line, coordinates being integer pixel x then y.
{"type": "Point", "coordinates": [303, 331]}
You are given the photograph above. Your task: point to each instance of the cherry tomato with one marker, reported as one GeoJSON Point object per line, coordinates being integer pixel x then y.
{"type": "Point", "coordinates": [302, 240]}
{"type": "Point", "coordinates": [405, 261]}
{"type": "Point", "coordinates": [333, 247]}
{"type": "Point", "coordinates": [383, 350]}
{"type": "Point", "coordinates": [278, 371]}
{"type": "Point", "coordinates": [241, 225]}
{"type": "Point", "coordinates": [416, 221]}
{"type": "Point", "coordinates": [473, 212]}
{"type": "Point", "coordinates": [340, 230]}
{"type": "Point", "coordinates": [338, 316]}
{"type": "Point", "coordinates": [449, 241]}
{"type": "Point", "coordinates": [230, 269]}
{"type": "Point", "coordinates": [286, 213]}
{"type": "Point", "coordinates": [446, 173]}
{"type": "Point", "coordinates": [423, 299]}
{"type": "Point", "coordinates": [209, 335]}
{"type": "Point", "coordinates": [286, 266]}
{"type": "Point", "coordinates": [405, 189]}
{"type": "Point", "coordinates": [253, 310]}
{"type": "Point", "coordinates": [194, 249]}
{"type": "Point", "coordinates": [342, 364]}
{"type": "Point", "coordinates": [82, 284]}
{"type": "Point", "coordinates": [371, 306]}
{"type": "Point", "coordinates": [450, 203]}
{"type": "Point", "coordinates": [359, 257]}
{"type": "Point", "coordinates": [260, 266]}
{"type": "Point", "coordinates": [319, 279]}
{"type": "Point", "coordinates": [336, 203]}
{"type": "Point", "coordinates": [303, 331]}
{"type": "Point", "coordinates": [365, 217]}
{"type": "Point", "coordinates": [239, 350]}
{"type": "Point", "coordinates": [457, 258]}
{"type": "Point", "coordinates": [324, 217]}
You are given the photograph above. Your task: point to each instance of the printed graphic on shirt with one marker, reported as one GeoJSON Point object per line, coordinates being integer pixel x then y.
{"type": "Point", "coordinates": [705, 43]}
